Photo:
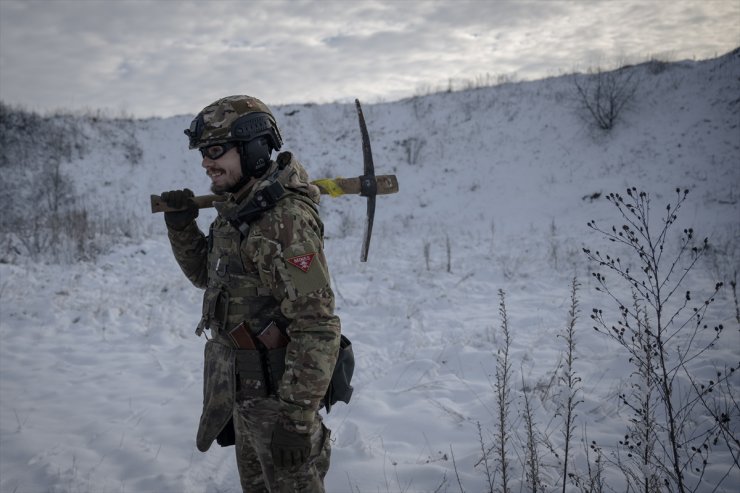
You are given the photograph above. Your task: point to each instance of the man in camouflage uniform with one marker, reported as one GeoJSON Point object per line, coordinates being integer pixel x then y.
{"type": "Point", "coordinates": [261, 263]}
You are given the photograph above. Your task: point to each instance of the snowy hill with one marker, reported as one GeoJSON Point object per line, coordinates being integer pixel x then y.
{"type": "Point", "coordinates": [100, 372]}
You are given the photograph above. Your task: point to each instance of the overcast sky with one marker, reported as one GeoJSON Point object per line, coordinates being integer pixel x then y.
{"type": "Point", "coordinates": [167, 57]}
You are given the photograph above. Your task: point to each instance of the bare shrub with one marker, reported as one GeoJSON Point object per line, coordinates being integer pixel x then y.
{"type": "Point", "coordinates": [605, 94]}
{"type": "Point", "coordinates": [427, 252]}
{"type": "Point", "coordinates": [571, 383]}
{"type": "Point", "coordinates": [498, 474]}
{"type": "Point", "coordinates": [43, 215]}
{"type": "Point", "coordinates": [502, 389]}
{"type": "Point", "coordinates": [412, 146]}
{"type": "Point", "coordinates": [663, 330]}
{"type": "Point", "coordinates": [723, 259]}
{"type": "Point", "coordinates": [532, 456]}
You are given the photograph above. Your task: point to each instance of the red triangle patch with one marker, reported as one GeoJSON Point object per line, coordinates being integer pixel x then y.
{"type": "Point", "coordinates": [303, 262]}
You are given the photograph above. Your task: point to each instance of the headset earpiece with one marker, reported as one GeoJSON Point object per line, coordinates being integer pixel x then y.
{"type": "Point", "coordinates": [255, 156]}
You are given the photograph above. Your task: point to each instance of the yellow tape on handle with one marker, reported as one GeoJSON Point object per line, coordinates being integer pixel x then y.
{"type": "Point", "coordinates": [330, 186]}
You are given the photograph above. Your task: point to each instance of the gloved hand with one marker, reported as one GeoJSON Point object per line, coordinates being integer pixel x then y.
{"type": "Point", "coordinates": [289, 448]}
{"type": "Point", "coordinates": [180, 199]}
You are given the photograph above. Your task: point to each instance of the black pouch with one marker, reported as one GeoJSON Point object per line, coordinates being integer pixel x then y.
{"type": "Point", "coordinates": [250, 374]}
{"type": "Point", "coordinates": [275, 367]}
{"type": "Point", "coordinates": [339, 388]}
{"type": "Point", "coordinates": [227, 436]}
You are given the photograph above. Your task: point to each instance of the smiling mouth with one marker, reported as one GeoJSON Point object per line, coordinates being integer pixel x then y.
{"type": "Point", "coordinates": [215, 173]}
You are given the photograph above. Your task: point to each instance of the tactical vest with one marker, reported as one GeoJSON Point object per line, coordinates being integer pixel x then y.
{"type": "Point", "coordinates": [235, 292]}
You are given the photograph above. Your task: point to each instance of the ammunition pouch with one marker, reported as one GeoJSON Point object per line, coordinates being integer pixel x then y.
{"type": "Point", "coordinates": [339, 387]}
{"type": "Point", "coordinates": [259, 372]}
{"type": "Point", "coordinates": [275, 359]}
{"type": "Point", "coordinates": [250, 375]}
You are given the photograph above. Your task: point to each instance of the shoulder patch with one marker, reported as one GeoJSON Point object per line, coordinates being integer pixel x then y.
{"type": "Point", "coordinates": [304, 267]}
{"type": "Point", "coordinates": [303, 262]}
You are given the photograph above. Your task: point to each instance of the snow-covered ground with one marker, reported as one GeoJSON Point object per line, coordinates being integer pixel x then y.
{"type": "Point", "coordinates": [101, 373]}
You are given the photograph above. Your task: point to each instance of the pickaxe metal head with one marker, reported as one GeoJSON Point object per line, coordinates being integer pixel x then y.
{"type": "Point", "coordinates": [369, 186]}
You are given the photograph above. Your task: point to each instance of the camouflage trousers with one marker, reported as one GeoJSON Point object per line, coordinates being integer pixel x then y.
{"type": "Point", "coordinates": [254, 420]}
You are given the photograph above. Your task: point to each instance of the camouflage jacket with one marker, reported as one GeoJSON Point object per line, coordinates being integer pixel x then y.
{"type": "Point", "coordinates": [282, 260]}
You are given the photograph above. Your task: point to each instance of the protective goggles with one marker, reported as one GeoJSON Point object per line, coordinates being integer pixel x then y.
{"type": "Point", "coordinates": [215, 151]}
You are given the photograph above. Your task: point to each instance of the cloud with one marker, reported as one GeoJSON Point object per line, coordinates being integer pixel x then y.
{"type": "Point", "coordinates": [164, 58]}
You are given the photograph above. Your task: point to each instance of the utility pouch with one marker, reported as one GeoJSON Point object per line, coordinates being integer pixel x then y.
{"type": "Point", "coordinates": [218, 393]}
{"type": "Point", "coordinates": [339, 388]}
{"type": "Point", "coordinates": [215, 309]}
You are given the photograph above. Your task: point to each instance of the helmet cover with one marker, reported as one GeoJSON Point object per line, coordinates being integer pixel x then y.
{"type": "Point", "coordinates": [233, 118]}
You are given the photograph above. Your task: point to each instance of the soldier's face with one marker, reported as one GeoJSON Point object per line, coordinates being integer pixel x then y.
{"type": "Point", "coordinates": [224, 172]}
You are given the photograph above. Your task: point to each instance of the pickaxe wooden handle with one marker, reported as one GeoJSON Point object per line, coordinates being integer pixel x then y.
{"type": "Point", "coordinates": [334, 187]}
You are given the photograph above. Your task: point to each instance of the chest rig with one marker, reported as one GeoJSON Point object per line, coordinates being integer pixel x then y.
{"type": "Point", "coordinates": [234, 292]}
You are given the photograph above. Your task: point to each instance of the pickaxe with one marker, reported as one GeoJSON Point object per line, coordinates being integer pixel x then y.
{"type": "Point", "coordinates": [368, 185]}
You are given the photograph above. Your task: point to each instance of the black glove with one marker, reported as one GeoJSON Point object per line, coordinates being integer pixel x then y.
{"type": "Point", "coordinates": [289, 448]}
{"type": "Point", "coordinates": [180, 199]}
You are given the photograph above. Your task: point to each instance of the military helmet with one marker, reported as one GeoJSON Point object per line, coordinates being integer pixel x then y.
{"type": "Point", "coordinates": [234, 118]}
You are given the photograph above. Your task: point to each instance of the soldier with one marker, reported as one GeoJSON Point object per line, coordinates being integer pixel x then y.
{"type": "Point", "coordinates": [268, 302]}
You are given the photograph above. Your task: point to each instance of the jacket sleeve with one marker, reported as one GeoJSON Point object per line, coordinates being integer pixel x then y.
{"type": "Point", "coordinates": [286, 246]}
{"type": "Point", "coordinates": [190, 248]}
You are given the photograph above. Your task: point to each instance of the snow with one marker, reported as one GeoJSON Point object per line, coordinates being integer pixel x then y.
{"type": "Point", "coordinates": [101, 373]}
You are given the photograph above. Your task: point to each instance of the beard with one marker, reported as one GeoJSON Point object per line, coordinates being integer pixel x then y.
{"type": "Point", "coordinates": [228, 188]}
{"type": "Point", "coordinates": [219, 190]}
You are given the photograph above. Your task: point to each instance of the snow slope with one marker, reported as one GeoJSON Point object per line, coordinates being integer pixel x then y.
{"type": "Point", "coordinates": [100, 372]}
